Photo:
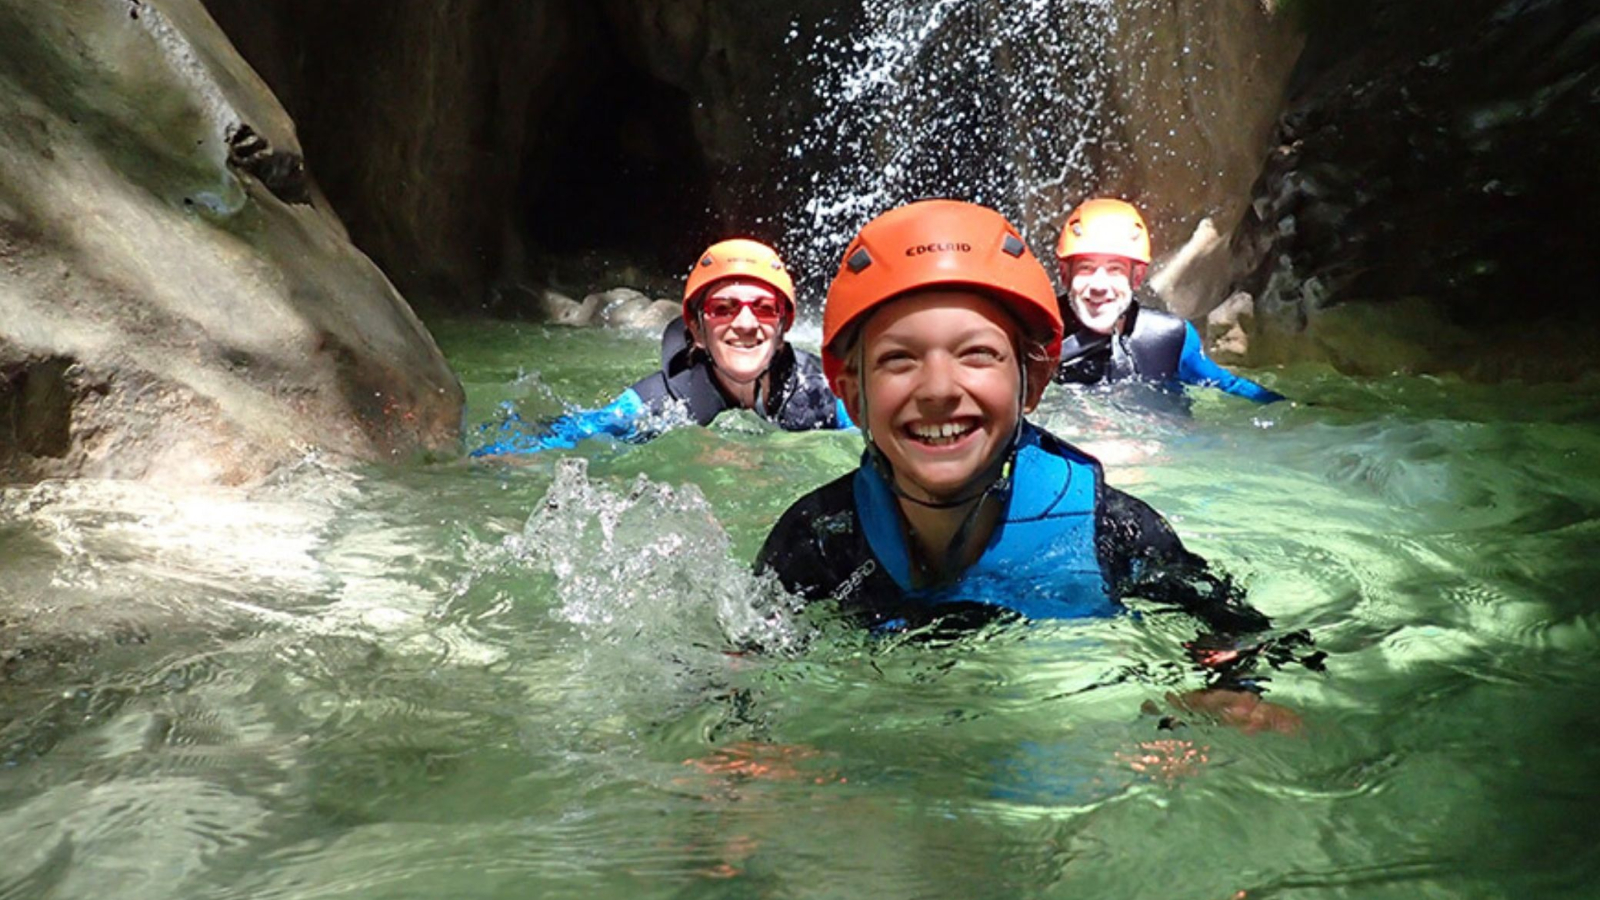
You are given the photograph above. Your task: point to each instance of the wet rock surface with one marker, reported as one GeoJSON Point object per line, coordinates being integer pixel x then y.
{"type": "Point", "coordinates": [1196, 91]}
{"type": "Point", "coordinates": [484, 149]}
{"type": "Point", "coordinates": [177, 304]}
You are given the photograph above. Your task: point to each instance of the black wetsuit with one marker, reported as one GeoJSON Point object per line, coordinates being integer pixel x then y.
{"type": "Point", "coordinates": [1068, 545]}
{"type": "Point", "coordinates": [1151, 346]}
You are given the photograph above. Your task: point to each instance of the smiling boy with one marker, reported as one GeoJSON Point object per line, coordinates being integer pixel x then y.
{"type": "Point", "coordinates": [941, 331]}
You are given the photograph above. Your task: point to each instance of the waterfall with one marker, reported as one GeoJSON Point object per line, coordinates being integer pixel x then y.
{"type": "Point", "coordinates": [995, 102]}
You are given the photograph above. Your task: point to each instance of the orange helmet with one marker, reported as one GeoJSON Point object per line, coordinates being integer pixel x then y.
{"type": "Point", "coordinates": [938, 243]}
{"type": "Point", "coordinates": [1107, 226]}
{"type": "Point", "coordinates": [739, 258]}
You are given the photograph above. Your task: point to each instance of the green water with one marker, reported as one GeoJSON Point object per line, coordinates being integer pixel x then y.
{"type": "Point", "coordinates": [496, 680]}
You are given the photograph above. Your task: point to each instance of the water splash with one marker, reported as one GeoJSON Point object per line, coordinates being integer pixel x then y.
{"type": "Point", "coordinates": [653, 561]}
{"type": "Point", "coordinates": [998, 103]}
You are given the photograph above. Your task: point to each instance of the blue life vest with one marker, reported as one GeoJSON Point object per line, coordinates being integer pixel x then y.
{"type": "Point", "coordinates": [1041, 561]}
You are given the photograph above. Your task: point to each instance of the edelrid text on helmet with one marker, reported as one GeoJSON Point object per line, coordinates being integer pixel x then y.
{"type": "Point", "coordinates": [738, 258]}
{"type": "Point", "coordinates": [920, 249]}
{"type": "Point", "coordinates": [937, 243]}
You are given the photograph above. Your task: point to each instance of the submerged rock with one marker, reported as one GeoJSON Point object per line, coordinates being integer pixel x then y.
{"type": "Point", "coordinates": [628, 308]}
{"type": "Point", "coordinates": [1228, 328]}
{"type": "Point", "coordinates": [177, 302]}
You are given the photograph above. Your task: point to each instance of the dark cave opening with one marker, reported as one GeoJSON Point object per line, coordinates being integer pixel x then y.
{"type": "Point", "coordinates": [501, 145]}
{"type": "Point", "coordinates": [619, 182]}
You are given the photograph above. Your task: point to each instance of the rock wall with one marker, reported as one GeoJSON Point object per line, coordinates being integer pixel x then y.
{"type": "Point", "coordinates": [177, 301]}
{"type": "Point", "coordinates": [475, 144]}
{"type": "Point", "coordinates": [415, 115]}
{"type": "Point", "coordinates": [470, 143]}
{"type": "Point", "coordinates": [1427, 206]}
{"type": "Point", "coordinates": [1197, 90]}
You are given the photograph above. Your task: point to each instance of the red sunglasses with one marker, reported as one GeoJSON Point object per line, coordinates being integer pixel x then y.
{"type": "Point", "coordinates": [767, 310]}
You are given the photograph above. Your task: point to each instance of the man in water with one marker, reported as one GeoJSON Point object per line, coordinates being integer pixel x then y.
{"type": "Point", "coordinates": [727, 352]}
{"type": "Point", "coordinates": [1103, 252]}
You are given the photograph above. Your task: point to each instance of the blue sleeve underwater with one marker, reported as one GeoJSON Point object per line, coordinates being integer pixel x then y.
{"type": "Point", "coordinates": [618, 419]}
{"type": "Point", "coordinates": [1194, 367]}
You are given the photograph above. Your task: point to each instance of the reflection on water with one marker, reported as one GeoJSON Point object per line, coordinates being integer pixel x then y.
{"type": "Point", "coordinates": [557, 677]}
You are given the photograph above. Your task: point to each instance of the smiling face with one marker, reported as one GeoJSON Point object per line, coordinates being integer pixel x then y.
{"type": "Point", "coordinates": [942, 388]}
{"type": "Point", "coordinates": [740, 325]}
{"type": "Point", "coordinates": [1099, 288]}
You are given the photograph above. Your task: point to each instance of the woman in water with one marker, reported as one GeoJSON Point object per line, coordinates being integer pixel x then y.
{"type": "Point", "coordinates": [728, 351]}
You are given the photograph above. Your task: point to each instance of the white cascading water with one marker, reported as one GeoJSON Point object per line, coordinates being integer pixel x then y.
{"type": "Point", "coordinates": [997, 103]}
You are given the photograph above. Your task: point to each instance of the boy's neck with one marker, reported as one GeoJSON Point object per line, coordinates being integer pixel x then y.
{"type": "Point", "coordinates": [929, 533]}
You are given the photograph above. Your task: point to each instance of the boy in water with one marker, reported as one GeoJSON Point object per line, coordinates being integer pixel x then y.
{"type": "Point", "coordinates": [727, 352]}
{"type": "Point", "coordinates": [941, 331]}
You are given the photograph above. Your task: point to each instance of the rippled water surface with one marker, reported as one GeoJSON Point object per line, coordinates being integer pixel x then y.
{"type": "Point", "coordinates": [531, 679]}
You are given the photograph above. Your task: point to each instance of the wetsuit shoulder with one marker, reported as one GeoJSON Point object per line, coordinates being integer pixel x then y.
{"type": "Point", "coordinates": [808, 547]}
{"type": "Point", "coordinates": [1155, 342]}
{"type": "Point", "coordinates": [676, 357]}
{"type": "Point", "coordinates": [1084, 353]}
{"type": "Point", "coordinates": [652, 389]}
{"type": "Point", "coordinates": [685, 377]}
{"type": "Point", "coordinates": [818, 551]}
{"type": "Point", "coordinates": [675, 343]}
{"type": "Point", "coordinates": [804, 401]}
{"type": "Point", "coordinates": [1144, 558]}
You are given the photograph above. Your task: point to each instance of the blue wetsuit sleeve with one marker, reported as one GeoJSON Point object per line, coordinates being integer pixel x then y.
{"type": "Point", "coordinates": [1194, 367]}
{"type": "Point", "coordinates": [619, 419]}
{"type": "Point", "coordinates": [841, 415]}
